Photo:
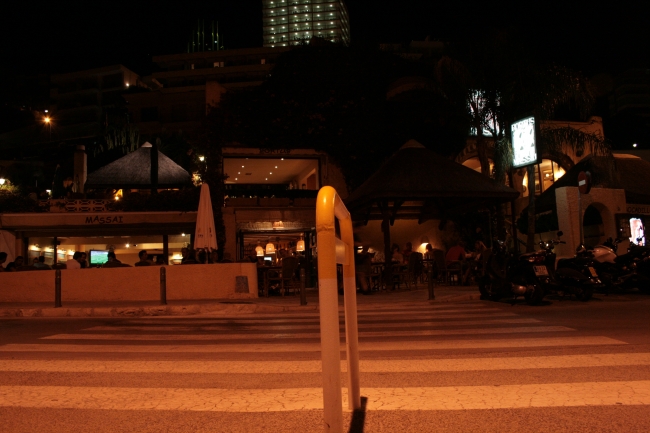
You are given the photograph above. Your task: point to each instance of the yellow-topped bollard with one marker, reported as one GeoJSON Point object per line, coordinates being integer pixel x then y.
{"type": "Point", "coordinates": [332, 251]}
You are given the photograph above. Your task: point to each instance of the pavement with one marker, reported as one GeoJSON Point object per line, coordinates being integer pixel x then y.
{"type": "Point", "coordinates": [272, 304]}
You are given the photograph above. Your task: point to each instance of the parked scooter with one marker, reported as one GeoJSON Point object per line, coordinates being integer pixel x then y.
{"type": "Point", "coordinates": [576, 275]}
{"type": "Point", "coordinates": [623, 272]}
{"type": "Point", "coordinates": [506, 275]}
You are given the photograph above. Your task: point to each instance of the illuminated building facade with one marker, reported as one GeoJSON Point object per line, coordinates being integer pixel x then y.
{"type": "Point", "coordinates": [292, 22]}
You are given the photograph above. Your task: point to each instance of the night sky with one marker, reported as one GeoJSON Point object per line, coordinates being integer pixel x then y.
{"type": "Point", "coordinates": [50, 37]}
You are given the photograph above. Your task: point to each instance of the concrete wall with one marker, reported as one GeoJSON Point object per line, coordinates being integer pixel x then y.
{"type": "Point", "coordinates": [215, 281]}
{"type": "Point", "coordinates": [607, 201]}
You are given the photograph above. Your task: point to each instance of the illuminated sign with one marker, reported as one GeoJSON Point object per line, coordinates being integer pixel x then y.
{"type": "Point", "coordinates": [524, 142]}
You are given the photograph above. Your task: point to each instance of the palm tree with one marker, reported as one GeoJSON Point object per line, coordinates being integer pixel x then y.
{"type": "Point", "coordinates": [501, 83]}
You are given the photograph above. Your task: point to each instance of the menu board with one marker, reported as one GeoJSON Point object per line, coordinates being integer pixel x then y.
{"type": "Point", "coordinates": [524, 142]}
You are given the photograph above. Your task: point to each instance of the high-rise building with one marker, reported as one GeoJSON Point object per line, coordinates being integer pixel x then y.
{"type": "Point", "coordinates": [292, 22]}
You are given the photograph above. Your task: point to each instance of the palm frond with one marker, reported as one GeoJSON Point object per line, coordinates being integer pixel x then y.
{"type": "Point", "coordinates": [557, 140]}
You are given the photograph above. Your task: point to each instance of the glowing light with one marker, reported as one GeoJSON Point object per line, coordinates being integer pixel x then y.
{"type": "Point", "coordinates": [259, 251]}
{"type": "Point", "coordinates": [634, 145]}
{"type": "Point", "coordinates": [2, 181]}
{"type": "Point", "coordinates": [201, 158]}
{"type": "Point", "coordinates": [46, 119]}
{"type": "Point", "coordinates": [127, 245]}
{"type": "Point", "coordinates": [270, 248]}
{"type": "Point", "coordinates": [300, 245]}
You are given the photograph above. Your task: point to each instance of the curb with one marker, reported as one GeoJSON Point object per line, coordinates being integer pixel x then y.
{"type": "Point", "coordinates": [225, 308]}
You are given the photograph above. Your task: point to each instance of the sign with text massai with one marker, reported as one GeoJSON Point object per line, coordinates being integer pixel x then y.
{"type": "Point", "coordinates": [524, 142]}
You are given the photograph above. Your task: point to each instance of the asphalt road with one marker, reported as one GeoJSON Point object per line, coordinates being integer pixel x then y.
{"type": "Point", "coordinates": [455, 367]}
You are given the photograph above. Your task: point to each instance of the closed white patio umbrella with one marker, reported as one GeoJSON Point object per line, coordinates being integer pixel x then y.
{"type": "Point", "coordinates": [205, 235]}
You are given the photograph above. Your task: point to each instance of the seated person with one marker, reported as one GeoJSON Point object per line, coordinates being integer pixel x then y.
{"type": "Point", "coordinates": [396, 256]}
{"type": "Point", "coordinates": [407, 251]}
{"type": "Point", "coordinates": [428, 253]}
{"type": "Point", "coordinates": [363, 269]}
{"type": "Point", "coordinates": [39, 263]}
{"type": "Point", "coordinates": [112, 261]}
{"type": "Point", "coordinates": [479, 248]}
{"type": "Point", "coordinates": [75, 263]}
{"type": "Point", "coordinates": [190, 259]}
{"type": "Point", "coordinates": [17, 263]}
{"type": "Point", "coordinates": [456, 253]}
{"type": "Point", "coordinates": [143, 259]}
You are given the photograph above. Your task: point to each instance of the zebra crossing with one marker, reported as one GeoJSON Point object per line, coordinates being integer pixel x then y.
{"type": "Point", "coordinates": [271, 363]}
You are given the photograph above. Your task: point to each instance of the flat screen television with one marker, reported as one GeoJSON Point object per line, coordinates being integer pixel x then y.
{"type": "Point", "coordinates": [98, 257]}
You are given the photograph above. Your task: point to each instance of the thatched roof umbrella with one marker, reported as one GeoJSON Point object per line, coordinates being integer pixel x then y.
{"type": "Point", "coordinates": [136, 171]}
{"type": "Point", "coordinates": [416, 183]}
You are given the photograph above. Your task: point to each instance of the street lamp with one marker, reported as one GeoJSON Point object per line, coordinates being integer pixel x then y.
{"type": "Point", "coordinates": [48, 121]}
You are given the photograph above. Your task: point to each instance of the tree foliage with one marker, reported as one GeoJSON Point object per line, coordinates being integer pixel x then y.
{"type": "Point", "coordinates": [334, 99]}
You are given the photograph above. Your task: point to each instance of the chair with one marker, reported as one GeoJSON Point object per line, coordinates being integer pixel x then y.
{"type": "Point", "coordinates": [377, 276]}
{"type": "Point", "coordinates": [401, 275]}
{"type": "Point", "coordinates": [447, 274]}
{"type": "Point", "coordinates": [287, 275]}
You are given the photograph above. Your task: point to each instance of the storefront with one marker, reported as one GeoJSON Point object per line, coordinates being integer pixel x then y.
{"type": "Point", "coordinates": [57, 236]}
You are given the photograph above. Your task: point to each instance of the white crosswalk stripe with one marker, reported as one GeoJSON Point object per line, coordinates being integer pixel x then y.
{"type": "Point", "coordinates": [387, 337]}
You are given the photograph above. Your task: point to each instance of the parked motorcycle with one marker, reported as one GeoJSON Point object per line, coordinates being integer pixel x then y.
{"type": "Point", "coordinates": [624, 272]}
{"type": "Point", "coordinates": [576, 275]}
{"type": "Point", "coordinates": [506, 275]}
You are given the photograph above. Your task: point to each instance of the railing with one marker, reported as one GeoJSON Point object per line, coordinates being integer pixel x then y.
{"type": "Point", "coordinates": [79, 205]}
{"type": "Point", "coordinates": [333, 251]}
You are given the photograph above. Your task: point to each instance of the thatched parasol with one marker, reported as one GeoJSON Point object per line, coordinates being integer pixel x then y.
{"type": "Point", "coordinates": [416, 183]}
{"type": "Point", "coordinates": [135, 171]}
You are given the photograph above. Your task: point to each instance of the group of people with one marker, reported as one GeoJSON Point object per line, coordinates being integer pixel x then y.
{"type": "Point", "coordinates": [19, 263]}
{"type": "Point", "coordinates": [11, 266]}
{"type": "Point", "coordinates": [79, 260]}
{"type": "Point", "coordinates": [468, 262]}
{"type": "Point", "coordinates": [401, 256]}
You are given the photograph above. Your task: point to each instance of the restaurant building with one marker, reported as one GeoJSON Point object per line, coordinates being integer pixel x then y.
{"type": "Point", "coordinates": [99, 224]}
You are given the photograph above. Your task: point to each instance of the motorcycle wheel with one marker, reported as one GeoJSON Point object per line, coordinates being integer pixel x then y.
{"type": "Point", "coordinates": [585, 294]}
{"type": "Point", "coordinates": [643, 284]}
{"type": "Point", "coordinates": [486, 292]}
{"type": "Point", "coordinates": [534, 296]}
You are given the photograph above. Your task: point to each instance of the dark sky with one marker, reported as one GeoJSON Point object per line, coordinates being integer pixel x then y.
{"type": "Point", "coordinates": [65, 36]}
